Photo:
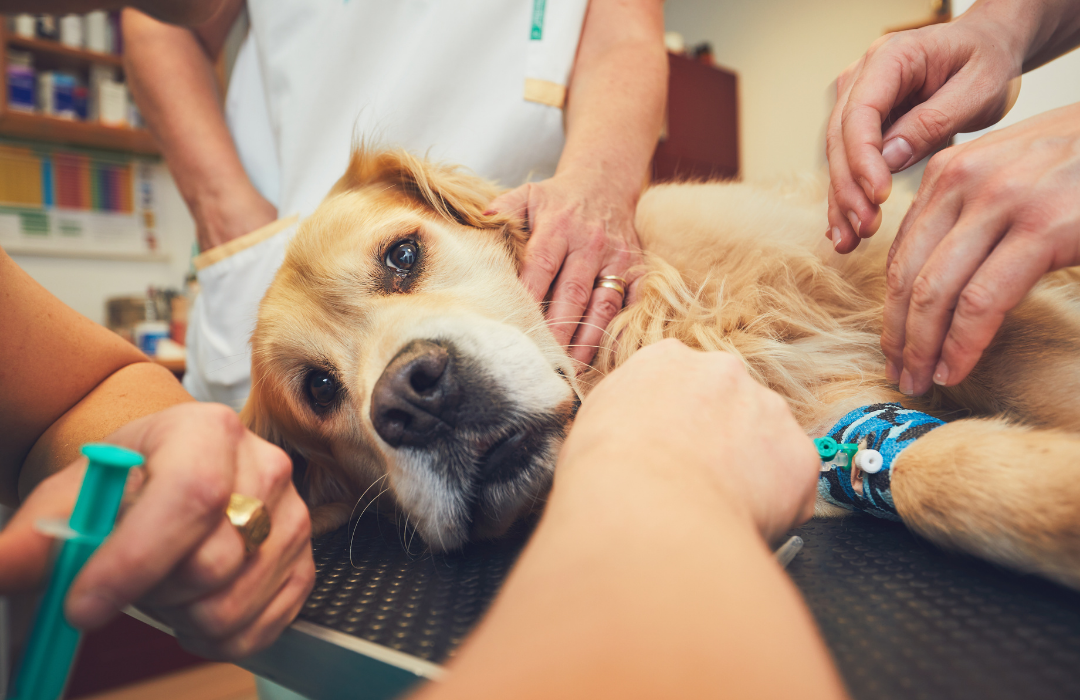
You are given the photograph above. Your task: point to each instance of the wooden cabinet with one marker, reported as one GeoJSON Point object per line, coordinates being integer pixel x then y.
{"type": "Point", "coordinates": [701, 128]}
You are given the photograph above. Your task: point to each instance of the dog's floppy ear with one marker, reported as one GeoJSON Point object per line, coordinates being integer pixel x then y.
{"type": "Point", "coordinates": [259, 421]}
{"type": "Point", "coordinates": [448, 191]}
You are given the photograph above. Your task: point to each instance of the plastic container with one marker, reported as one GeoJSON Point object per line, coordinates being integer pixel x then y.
{"type": "Point", "coordinates": [148, 333]}
{"type": "Point", "coordinates": [21, 81]}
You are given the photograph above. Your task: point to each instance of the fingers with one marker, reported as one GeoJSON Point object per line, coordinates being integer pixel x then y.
{"type": "Point", "coordinates": [190, 461]}
{"type": "Point", "coordinates": [264, 472]}
{"type": "Point", "coordinates": [1008, 274]}
{"type": "Point", "coordinates": [840, 229]}
{"type": "Point", "coordinates": [857, 195]}
{"type": "Point", "coordinates": [929, 83]}
{"type": "Point", "coordinates": [24, 552]}
{"type": "Point", "coordinates": [574, 286]}
{"type": "Point", "coordinates": [841, 234]}
{"type": "Point", "coordinates": [263, 630]}
{"type": "Point", "coordinates": [603, 305]}
{"type": "Point", "coordinates": [574, 239]}
{"type": "Point", "coordinates": [216, 561]}
{"type": "Point", "coordinates": [891, 72]}
{"type": "Point", "coordinates": [211, 598]}
{"type": "Point", "coordinates": [927, 191]}
{"type": "Point", "coordinates": [241, 606]}
{"type": "Point", "coordinates": [543, 258]}
{"type": "Point", "coordinates": [227, 607]}
{"type": "Point", "coordinates": [174, 548]}
{"type": "Point", "coordinates": [544, 253]}
{"type": "Point", "coordinates": [931, 216]}
{"type": "Point", "coordinates": [853, 203]}
{"type": "Point", "coordinates": [936, 291]}
{"type": "Point", "coordinates": [514, 202]}
{"type": "Point", "coordinates": [949, 111]}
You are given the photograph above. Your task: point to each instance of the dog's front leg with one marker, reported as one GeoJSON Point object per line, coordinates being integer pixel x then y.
{"type": "Point", "coordinates": [1002, 492]}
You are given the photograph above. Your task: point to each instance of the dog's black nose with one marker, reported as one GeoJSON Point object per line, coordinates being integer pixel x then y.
{"type": "Point", "coordinates": [415, 395]}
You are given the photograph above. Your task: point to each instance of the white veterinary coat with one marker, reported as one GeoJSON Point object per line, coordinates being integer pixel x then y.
{"type": "Point", "coordinates": [442, 78]}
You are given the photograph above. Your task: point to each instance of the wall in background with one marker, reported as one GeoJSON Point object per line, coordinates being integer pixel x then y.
{"type": "Point", "coordinates": [85, 284]}
{"type": "Point", "coordinates": [787, 54]}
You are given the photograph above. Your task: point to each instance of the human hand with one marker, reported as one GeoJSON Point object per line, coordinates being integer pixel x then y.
{"type": "Point", "coordinates": [582, 228]}
{"type": "Point", "coordinates": [699, 417]}
{"type": "Point", "coordinates": [173, 553]}
{"type": "Point", "coordinates": [991, 217]}
{"type": "Point", "coordinates": [906, 97]}
{"type": "Point", "coordinates": [221, 217]}
{"type": "Point", "coordinates": [184, 12]}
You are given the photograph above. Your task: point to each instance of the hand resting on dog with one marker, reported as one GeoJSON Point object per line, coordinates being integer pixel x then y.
{"type": "Point", "coordinates": [582, 219]}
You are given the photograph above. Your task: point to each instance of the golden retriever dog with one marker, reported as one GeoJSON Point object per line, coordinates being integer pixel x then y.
{"type": "Point", "coordinates": [397, 356]}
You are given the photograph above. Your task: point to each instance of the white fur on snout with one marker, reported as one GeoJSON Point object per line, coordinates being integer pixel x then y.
{"type": "Point", "coordinates": [522, 374]}
{"type": "Point", "coordinates": [437, 508]}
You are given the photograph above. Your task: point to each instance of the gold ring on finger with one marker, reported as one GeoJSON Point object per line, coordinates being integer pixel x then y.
{"type": "Point", "coordinates": [250, 518]}
{"type": "Point", "coordinates": [611, 282]}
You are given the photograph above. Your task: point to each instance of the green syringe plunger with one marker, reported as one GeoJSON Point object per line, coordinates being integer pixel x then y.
{"type": "Point", "coordinates": [52, 644]}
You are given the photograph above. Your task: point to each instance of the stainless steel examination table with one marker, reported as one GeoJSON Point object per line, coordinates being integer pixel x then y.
{"type": "Point", "coordinates": [902, 618]}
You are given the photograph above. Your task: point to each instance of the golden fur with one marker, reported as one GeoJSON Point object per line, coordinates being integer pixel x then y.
{"type": "Point", "coordinates": [729, 267]}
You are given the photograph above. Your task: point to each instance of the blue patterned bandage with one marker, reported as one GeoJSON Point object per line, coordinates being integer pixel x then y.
{"type": "Point", "coordinates": [886, 428]}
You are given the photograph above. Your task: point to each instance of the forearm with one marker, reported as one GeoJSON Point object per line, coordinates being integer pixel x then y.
{"type": "Point", "coordinates": [615, 104]}
{"type": "Point", "coordinates": [136, 390]}
{"type": "Point", "coordinates": [1037, 32]}
{"type": "Point", "coordinates": [660, 589]}
{"type": "Point", "coordinates": [1059, 33]}
{"type": "Point", "coordinates": [172, 79]}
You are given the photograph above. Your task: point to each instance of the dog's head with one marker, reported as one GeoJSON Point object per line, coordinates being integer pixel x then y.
{"type": "Point", "coordinates": [396, 345]}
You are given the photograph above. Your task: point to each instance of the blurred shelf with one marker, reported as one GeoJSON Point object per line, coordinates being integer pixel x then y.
{"type": "Point", "coordinates": [52, 55]}
{"type": "Point", "coordinates": [90, 134]}
{"type": "Point", "coordinates": [63, 53]}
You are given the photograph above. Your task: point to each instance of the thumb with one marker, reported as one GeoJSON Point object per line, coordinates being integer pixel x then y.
{"type": "Point", "coordinates": [953, 109]}
{"type": "Point", "coordinates": [514, 203]}
{"type": "Point", "coordinates": [25, 552]}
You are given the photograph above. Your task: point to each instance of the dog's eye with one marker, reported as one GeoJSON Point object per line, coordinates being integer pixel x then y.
{"type": "Point", "coordinates": [402, 256]}
{"type": "Point", "coordinates": [322, 388]}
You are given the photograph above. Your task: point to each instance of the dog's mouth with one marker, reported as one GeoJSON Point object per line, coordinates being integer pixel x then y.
{"type": "Point", "coordinates": [504, 482]}
{"type": "Point", "coordinates": [498, 461]}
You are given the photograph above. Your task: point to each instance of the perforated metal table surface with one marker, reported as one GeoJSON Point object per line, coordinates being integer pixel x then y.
{"type": "Point", "coordinates": [902, 618]}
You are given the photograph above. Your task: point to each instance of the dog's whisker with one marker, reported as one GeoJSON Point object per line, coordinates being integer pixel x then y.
{"type": "Point", "coordinates": [353, 535]}
{"type": "Point", "coordinates": [587, 366]}
{"type": "Point", "coordinates": [416, 526]}
{"type": "Point", "coordinates": [603, 330]}
{"type": "Point", "coordinates": [580, 322]}
{"type": "Point", "coordinates": [353, 511]}
{"type": "Point", "coordinates": [370, 486]}
{"type": "Point", "coordinates": [403, 535]}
